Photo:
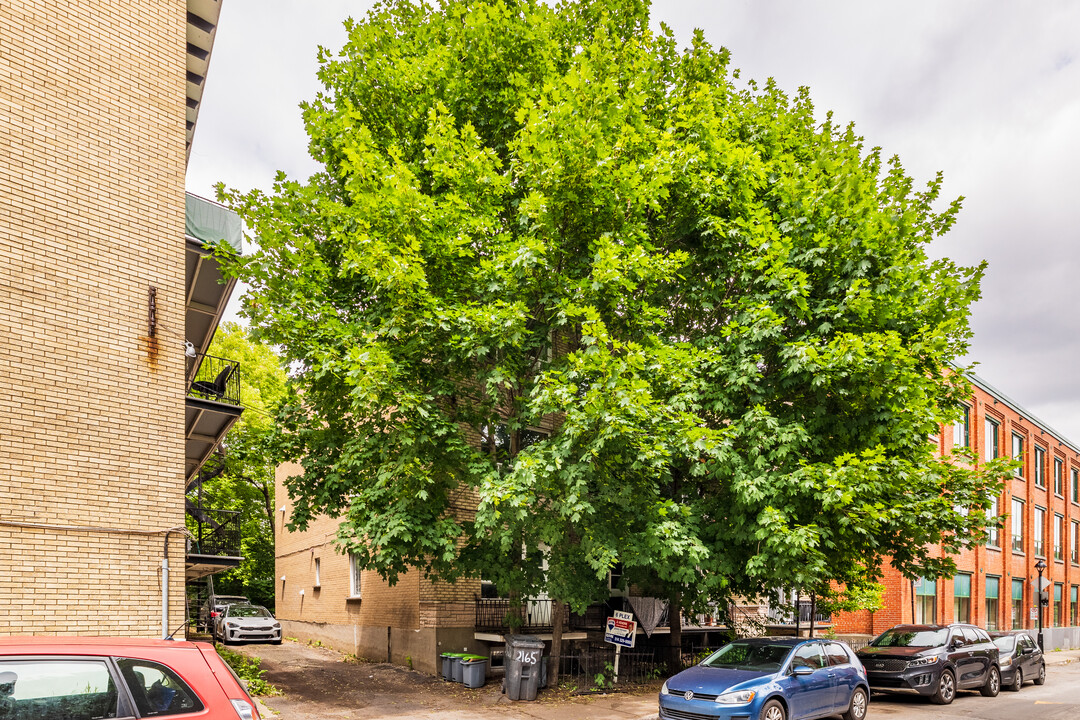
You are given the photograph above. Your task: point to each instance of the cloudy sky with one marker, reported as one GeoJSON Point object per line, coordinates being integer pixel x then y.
{"type": "Point", "coordinates": [986, 91]}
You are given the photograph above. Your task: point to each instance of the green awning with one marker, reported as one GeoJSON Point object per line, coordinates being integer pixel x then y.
{"type": "Point", "coordinates": [212, 223]}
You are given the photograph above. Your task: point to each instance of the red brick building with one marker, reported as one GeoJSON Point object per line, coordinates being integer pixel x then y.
{"type": "Point", "coordinates": [995, 584]}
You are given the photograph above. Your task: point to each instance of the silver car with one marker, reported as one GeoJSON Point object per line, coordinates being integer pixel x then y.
{"type": "Point", "coordinates": [247, 623]}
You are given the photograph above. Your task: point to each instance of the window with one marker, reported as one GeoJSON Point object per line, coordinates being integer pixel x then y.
{"type": "Point", "coordinates": [810, 656]}
{"type": "Point", "coordinates": [1074, 601]}
{"type": "Point", "coordinates": [1059, 530]}
{"type": "Point", "coordinates": [962, 430]}
{"type": "Point", "coordinates": [837, 654]}
{"type": "Point", "coordinates": [1059, 480]}
{"type": "Point", "coordinates": [993, 587]}
{"type": "Point", "coordinates": [71, 689]}
{"type": "Point", "coordinates": [355, 571]}
{"type": "Point", "coordinates": [926, 602]}
{"type": "Point", "coordinates": [318, 575]}
{"type": "Point", "coordinates": [1017, 525]}
{"type": "Point", "coordinates": [1057, 604]}
{"type": "Point", "coordinates": [992, 512]}
{"type": "Point", "coordinates": [1017, 604]}
{"type": "Point", "coordinates": [1040, 466]}
{"type": "Point", "coordinates": [992, 449]}
{"type": "Point", "coordinates": [962, 598]}
{"type": "Point", "coordinates": [1076, 485]}
{"type": "Point", "coordinates": [1039, 540]}
{"type": "Point", "coordinates": [615, 577]}
{"type": "Point", "coordinates": [1074, 541]}
{"type": "Point", "coordinates": [157, 690]}
{"type": "Point", "coordinates": [1018, 454]}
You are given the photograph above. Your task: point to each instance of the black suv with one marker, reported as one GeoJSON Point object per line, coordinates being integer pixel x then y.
{"type": "Point", "coordinates": [933, 660]}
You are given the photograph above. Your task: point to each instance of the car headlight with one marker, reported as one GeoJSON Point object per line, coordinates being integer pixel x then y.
{"type": "Point", "coordinates": [232, 625]}
{"type": "Point", "coordinates": [664, 690]}
{"type": "Point", "coordinates": [1005, 662]}
{"type": "Point", "coordinates": [736, 698]}
{"type": "Point", "coordinates": [920, 662]}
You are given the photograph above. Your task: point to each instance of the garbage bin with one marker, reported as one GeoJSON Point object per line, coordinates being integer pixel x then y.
{"type": "Point", "coordinates": [448, 665]}
{"type": "Point", "coordinates": [474, 671]}
{"type": "Point", "coordinates": [522, 666]}
{"type": "Point", "coordinates": [457, 669]}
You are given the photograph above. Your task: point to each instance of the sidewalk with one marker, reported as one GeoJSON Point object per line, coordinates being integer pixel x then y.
{"type": "Point", "coordinates": [1062, 657]}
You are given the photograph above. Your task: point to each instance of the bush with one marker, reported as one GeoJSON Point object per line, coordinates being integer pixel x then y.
{"type": "Point", "coordinates": [247, 668]}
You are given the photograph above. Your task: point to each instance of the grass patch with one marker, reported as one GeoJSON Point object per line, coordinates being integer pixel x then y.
{"type": "Point", "coordinates": [247, 668]}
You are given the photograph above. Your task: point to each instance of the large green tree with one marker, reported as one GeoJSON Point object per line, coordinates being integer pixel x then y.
{"type": "Point", "coordinates": [718, 306]}
{"type": "Point", "coordinates": [240, 477]}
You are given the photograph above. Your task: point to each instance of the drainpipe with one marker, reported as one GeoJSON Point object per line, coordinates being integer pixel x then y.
{"type": "Point", "coordinates": [165, 585]}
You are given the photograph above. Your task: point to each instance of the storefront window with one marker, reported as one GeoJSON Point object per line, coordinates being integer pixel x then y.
{"type": "Point", "coordinates": [1017, 604]}
{"type": "Point", "coordinates": [926, 602]}
{"type": "Point", "coordinates": [992, 589]}
{"type": "Point", "coordinates": [962, 598]}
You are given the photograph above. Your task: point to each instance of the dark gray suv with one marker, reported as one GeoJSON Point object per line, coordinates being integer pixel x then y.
{"type": "Point", "coordinates": [932, 660]}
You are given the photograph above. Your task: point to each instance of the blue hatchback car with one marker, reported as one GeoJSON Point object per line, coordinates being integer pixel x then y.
{"type": "Point", "coordinates": [772, 678]}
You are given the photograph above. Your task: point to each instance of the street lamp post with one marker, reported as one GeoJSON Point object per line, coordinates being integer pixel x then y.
{"type": "Point", "coordinates": [1040, 566]}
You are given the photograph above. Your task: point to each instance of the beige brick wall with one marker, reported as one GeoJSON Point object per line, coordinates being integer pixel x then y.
{"type": "Point", "coordinates": [91, 407]}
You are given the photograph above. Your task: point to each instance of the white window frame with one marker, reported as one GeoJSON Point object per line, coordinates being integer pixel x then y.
{"type": "Point", "coordinates": [355, 578]}
{"type": "Point", "coordinates": [318, 574]}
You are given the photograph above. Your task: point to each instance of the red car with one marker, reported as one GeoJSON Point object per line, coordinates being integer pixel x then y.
{"type": "Point", "coordinates": [89, 678]}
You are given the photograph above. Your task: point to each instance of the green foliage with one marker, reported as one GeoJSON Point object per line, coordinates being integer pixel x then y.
{"type": "Point", "coordinates": [246, 465]}
{"type": "Point", "coordinates": [720, 309]}
{"type": "Point", "coordinates": [247, 669]}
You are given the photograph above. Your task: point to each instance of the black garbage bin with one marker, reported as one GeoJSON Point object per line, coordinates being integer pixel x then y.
{"type": "Point", "coordinates": [523, 654]}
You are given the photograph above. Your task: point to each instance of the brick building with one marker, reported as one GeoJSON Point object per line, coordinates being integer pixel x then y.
{"type": "Point", "coordinates": [104, 276]}
{"type": "Point", "coordinates": [995, 583]}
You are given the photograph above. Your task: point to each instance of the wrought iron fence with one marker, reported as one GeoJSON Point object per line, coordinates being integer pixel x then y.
{"type": "Point", "coordinates": [214, 378]}
{"type": "Point", "coordinates": [215, 532]}
{"type": "Point", "coordinates": [785, 614]}
{"type": "Point", "coordinates": [593, 668]}
{"type": "Point", "coordinates": [532, 616]}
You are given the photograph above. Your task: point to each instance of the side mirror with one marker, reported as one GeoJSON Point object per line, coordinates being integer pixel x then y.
{"type": "Point", "coordinates": [1026, 651]}
{"type": "Point", "coordinates": [956, 642]}
{"type": "Point", "coordinates": [802, 670]}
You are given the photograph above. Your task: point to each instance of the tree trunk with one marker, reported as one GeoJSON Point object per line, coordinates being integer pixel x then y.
{"type": "Point", "coordinates": [675, 637]}
{"type": "Point", "coordinates": [556, 642]}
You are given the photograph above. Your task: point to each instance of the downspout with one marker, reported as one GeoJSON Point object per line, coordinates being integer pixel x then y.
{"type": "Point", "coordinates": [165, 584]}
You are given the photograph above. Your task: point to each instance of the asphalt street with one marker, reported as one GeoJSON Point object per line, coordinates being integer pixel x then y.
{"type": "Point", "coordinates": [1058, 699]}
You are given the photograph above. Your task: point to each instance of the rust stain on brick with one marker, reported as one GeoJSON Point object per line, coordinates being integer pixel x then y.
{"type": "Point", "coordinates": [151, 346]}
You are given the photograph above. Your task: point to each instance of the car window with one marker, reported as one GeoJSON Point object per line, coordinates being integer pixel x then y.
{"type": "Point", "coordinates": [911, 638]}
{"type": "Point", "coordinates": [248, 611]}
{"type": "Point", "coordinates": [1005, 643]}
{"type": "Point", "coordinates": [837, 654]}
{"type": "Point", "coordinates": [970, 636]}
{"type": "Point", "coordinates": [157, 690]}
{"type": "Point", "coordinates": [810, 656]}
{"type": "Point", "coordinates": [69, 689]}
{"type": "Point", "coordinates": [982, 635]}
{"type": "Point", "coordinates": [749, 656]}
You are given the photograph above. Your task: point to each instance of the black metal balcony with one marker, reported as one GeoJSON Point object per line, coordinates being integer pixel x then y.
{"type": "Point", "coordinates": [785, 615]}
{"type": "Point", "coordinates": [214, 378]}
{"type": "Point", "coordinates": [533, 616]}
{"type": "Point", "coordinates": [215, 541]}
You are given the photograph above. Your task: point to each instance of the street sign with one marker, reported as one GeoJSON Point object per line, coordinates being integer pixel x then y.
{"type": "Point", "coordinates": [1034, 614]}
{"type": "Point", "coordinates": [1040, 585]}
{"type": "Point", "coordinates": [621, 629]}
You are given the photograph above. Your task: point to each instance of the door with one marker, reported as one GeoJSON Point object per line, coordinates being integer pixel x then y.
{"type": "Point", "coordinates": [847, 677]}
{"type": "Point", "coordinates": [962, 656]}
{"type": "Point", "coordinates": [811, 695]}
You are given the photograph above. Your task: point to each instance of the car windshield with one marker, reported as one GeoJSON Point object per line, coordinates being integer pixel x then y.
{"type": "Point", "coordinates": [749, 656]}
{"type": "Point", "coordinates": [1005, 642]}
{"type": "Point", "coordinates": [912, 638]}
{"type": "Point", "coordinates": [248, 611]}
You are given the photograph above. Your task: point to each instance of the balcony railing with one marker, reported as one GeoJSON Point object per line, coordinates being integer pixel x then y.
{"type": "Point", "coordinates": [214, 532]}
{"type": "Point", "coordinates": [495, 615]}
{"type": "Point", "coordinates": [215, 379]}
{"type": "Point", "coordinates": [785, 614]}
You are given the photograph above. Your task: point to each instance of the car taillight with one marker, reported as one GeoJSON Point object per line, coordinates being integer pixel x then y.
{"type": "Point", "coordinates": [245, 710]}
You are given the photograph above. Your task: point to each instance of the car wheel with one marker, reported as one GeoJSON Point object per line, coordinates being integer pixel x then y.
{"type": "Point", "coordinates": [1018, 680]}
{"type": "Point", "coordinates": [946, 689]}
{"type": "Point", "coordinates": [773, 710]}
{"type": "Point", "coordinates": [993, 683]}
{"type": "Point", "coordinates": [857, 707]}
{"type": "Point", "coordinates": [1040, 679]}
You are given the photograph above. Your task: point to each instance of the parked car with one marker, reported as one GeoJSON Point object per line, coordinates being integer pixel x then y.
{"type": "Point", "coordinates": [1020, 659]}
{"type": "Point", "coordinates": [772, 678]}
{"type": "Point", "coordinates": [247, 623]}
{"type": "Point", "coordinates": [933, 661]}
{"type": "Point", "coordinates": [216, 605]}
{"type": "Point", "coordinates": [95, 677]}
